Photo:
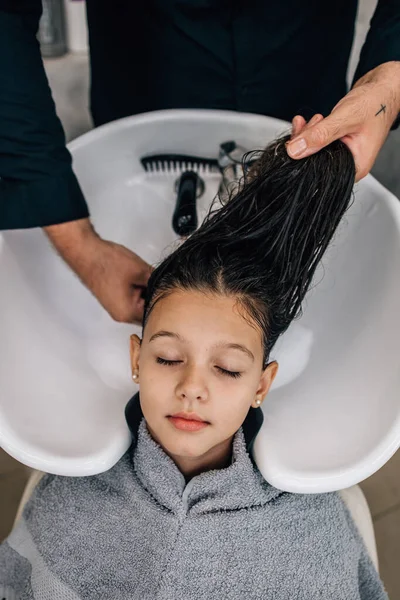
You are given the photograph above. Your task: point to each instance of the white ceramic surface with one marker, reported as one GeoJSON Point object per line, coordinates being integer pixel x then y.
{"type": "Point", "coordinates": [333, 417]}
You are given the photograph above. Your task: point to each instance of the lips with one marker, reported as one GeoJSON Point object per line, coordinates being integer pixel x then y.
{"type": "Point", "coordinates": [189, 422]}
{"type": "Point", "coordinates": [188, 417]}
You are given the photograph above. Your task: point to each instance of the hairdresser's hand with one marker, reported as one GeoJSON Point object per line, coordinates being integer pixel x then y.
{"type": "Point", "coordinates": [115, 275]}
{"type": "Point", "coordinates": [362, 119]}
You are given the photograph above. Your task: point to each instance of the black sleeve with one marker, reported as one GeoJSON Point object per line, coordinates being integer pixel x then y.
{"type": "Point", "coordinates": [37, 184]}
{"type": "Point", "coordinates": [383, 39]}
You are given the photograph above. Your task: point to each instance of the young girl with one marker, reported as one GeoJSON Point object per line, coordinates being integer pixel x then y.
{"type": "Point", "coordinates": [185, 514]}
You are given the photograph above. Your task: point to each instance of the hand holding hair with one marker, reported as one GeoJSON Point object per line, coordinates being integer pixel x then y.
{"type": "Point", "coordinates": [362, 119]}
{"type": "Point", "coordinates": [115, 275]}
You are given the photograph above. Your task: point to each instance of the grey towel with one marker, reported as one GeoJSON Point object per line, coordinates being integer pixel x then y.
{"type": "Point", "coordinates": [139, 532]}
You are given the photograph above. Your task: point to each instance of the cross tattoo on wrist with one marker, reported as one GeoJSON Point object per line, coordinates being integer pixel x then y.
{"type": "Point", "coordinates": [382, 109]}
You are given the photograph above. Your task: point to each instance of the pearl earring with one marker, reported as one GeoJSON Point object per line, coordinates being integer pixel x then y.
{"type": "Point", "coordinates": [134, 377]}
{"type": "Point", "coordinates": [258, 402]}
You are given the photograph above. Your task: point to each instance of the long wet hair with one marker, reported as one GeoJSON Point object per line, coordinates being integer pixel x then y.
{"type": "Point", "coordinates": [263, 246]}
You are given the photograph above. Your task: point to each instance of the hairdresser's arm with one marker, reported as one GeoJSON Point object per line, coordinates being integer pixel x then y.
{"type": "Point", "coordinates": [114, 274]}
{"type": "Point", "coordinates": [364, 117]}
{"type": "Point", "coordinates": [38, 187]}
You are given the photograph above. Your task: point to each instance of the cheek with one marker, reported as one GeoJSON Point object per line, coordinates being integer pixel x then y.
{"type": "Point", "coordinates": [235, 392]}
{"type": "Point", "coordinates": [154, 378]}
{"type": "Point", "coordinates": [231, 404]}
{"type": "Point", "coordinates": [153, 391]}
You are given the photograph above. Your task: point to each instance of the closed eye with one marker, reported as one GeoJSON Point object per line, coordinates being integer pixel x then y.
{"type": "Point", "coordinates": [234, 374]}
{"type": "Point", "coordinates": [164, 361]}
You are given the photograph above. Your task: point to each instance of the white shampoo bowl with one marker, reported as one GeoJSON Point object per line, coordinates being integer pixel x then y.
{"type": "Point", "coordinates": [333, 417]}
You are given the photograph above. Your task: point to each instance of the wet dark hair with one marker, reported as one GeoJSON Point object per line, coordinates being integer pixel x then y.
{"type": "Point", "coordinates": [264, 244]}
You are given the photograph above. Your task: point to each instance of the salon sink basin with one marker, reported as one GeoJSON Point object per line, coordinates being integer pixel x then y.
{"type": "Point", "coordinates": [333, 416]}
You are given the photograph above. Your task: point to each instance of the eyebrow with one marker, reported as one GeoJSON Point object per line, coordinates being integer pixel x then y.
{"type": "Point", "coordinates": [237, 347]}
{"type": "Point", "coordinates": [171, 334]}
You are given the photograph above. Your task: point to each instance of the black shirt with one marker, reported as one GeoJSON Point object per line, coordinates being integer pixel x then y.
{"type": "Point", "coordinates": [272, 57]}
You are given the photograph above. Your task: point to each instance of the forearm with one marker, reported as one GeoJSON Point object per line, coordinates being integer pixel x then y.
{"type": "Point", "coordinates": [74, 242]}
{"type": "Point", "coordinates": [114, 274]}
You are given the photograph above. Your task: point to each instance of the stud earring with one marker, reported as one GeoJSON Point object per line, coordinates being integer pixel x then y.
{"type": "Point", "coordinates": [135, 377]}
{"type": "Point", "coordinates": [258, 402]}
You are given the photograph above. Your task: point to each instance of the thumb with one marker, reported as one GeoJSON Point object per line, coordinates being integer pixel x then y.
{"type": "Point", "coordinates": [320, 135]}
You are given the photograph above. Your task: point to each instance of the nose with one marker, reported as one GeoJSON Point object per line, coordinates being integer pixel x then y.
{"type": "Point", "coordinates": [192, 385]}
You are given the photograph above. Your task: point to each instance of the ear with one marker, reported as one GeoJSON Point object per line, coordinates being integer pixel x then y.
{"type": "Point", "coordinates": [135, 342]}
{"type": "Point", "coordinates": [266, 381]}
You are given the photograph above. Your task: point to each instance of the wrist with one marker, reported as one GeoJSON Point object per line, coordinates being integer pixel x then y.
{"type": "Point", "coordinates": [385, 80]}
{"type": "Point", "coordinates": [72, 230]}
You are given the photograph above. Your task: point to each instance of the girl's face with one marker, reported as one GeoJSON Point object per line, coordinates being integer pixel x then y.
{"type": "Point", "coordinates": [200, 359]}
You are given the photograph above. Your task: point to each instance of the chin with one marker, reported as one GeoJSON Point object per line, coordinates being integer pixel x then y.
{"type": "Point", "coordinates": [184, 448]}
{"type": "Point", "coordinates": [181, 443]}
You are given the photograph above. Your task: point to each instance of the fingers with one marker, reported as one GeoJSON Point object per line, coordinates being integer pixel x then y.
{"type": "Point", "coordinates": [132, 304]}
{"type": "Point", "coordinates": [317, 134]}
{"type": "Point", "coordinates": [298, 123]}
{"type": "Point", "coordinates": [139, 294]}
{"type": "Point", "coordinates": [136, 315]}
{"type": "Point", "coordinates": [316, 119]}
{"type": "Point", "coordinates": [142, 277]}
{"type": "Point", "coordinates": [127, 307]}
